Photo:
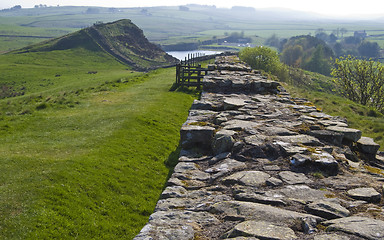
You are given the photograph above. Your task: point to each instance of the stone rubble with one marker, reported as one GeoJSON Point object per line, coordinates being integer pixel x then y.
{"type": "Point", "coordinates": [258, 164]}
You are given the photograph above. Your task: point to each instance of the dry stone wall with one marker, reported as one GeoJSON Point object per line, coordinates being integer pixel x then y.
{"type": "Point", "coordinates": [259, 164]}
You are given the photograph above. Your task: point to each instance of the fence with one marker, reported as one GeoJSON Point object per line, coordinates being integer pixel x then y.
{"type": "Point", "coordinates": [189, 72]}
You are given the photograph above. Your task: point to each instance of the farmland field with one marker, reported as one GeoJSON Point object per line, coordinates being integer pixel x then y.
{"type": "Point", "coordinates": [170, 25]}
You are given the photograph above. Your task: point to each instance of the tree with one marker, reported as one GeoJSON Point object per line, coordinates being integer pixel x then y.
{"type": "Point", "coordinates": [361, 81]}
{"type": "Point", "coordinates": [304, 58]}
{"type": "Point", "coordinates": [318, 63]}
{"type": "Point", "coordinates": [266, 59]}
{"type": "Point", "coordinates": [338, 49]}
{"type": "Point", "coordinates": [369, 49]}
{"type": "Point", "coordinates": [273, 41]}
{"type": "Point", "coordinates": [332, 38]}
{"type": "Point", "coordinates": [343, 31]}
{"type": "Point", "coordinates": [292, 55]}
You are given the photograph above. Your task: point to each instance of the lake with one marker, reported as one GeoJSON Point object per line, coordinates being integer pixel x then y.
{"type": "Point", "coordinates": [181, 55]}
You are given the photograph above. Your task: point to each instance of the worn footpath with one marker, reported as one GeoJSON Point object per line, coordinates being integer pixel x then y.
{"type": "Point", "coordinates": [259, 164]}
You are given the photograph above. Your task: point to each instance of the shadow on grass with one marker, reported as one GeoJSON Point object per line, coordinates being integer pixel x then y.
{"type": "Point", "coordinates": [171, 162]}
{"type": "Point", "coordinates": [188, 90]}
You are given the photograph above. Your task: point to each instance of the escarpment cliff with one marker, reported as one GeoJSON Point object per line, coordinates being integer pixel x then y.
{"type": "Point", "coordinates": [121, 39]}
{"type": "Point", "coordinates": [258, 164]}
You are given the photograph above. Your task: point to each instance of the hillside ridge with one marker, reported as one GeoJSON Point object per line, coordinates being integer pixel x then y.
{"type": "Point", "coordinates": [121, 39]}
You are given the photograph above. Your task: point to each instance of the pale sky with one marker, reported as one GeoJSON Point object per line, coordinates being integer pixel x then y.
{"type": "Point", "coordinates": [327, 7]}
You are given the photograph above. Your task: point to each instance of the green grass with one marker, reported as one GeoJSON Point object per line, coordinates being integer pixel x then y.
{"type": "Point", "coordinates": [369, 121]}
{"type": "Point", "coordinates": [87, 155]}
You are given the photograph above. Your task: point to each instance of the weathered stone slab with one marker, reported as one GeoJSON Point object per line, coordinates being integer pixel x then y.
{"type": "Point", "coordinates": [202, 105]}
{"type": "Point", "coordinates": [251, 196]}
{"type": "Point", "coordinates": [223, 141]}
{"type": "Point", "coordinates": [225, 166]}
{"type": "Point", "coordinates": [192, 135]}
{"type": "Point", "coordinates": [332, 137]}
{"type": "Point", "coordinates": [194, 159]}
{"type": "Point", "coordinates": [238, 125]}
{"type": "Point", "coordinates": [199, 200]}
{"type": "Point", "coordinates": [298, 160]}
{"type": "Point", "coordinates": [349, 133]}
{"type": "Point", "coordinates": [367, 145]}
{"type": "Point", "coordinates": [328, 123]}
{"type": "Point", "coordinates": [277, 131]}
{"type": "Point", "coordinates": [174, 192]}
{"type": "Point", "coordinates": [327, 209]}
{"type": "Point", "coordinates": [289, 148]}
{"type": "Point", "coordinates": [326, 160]}
{"type": "Point", "coordinates": [360, 226]}
{"type": "Point", "coordinates": [298, 193]}
{"type": "Point", "coordinates": [263, 230]}
{"type": "Point", "coordinates": [365, 194]}
{"type": "Point", "coordinates": [330, 237]}
{"type": "Point", "coordinates": [255, 140]}
{"type": "Point", "coordinates": [300, 139]}
{"type": "Point", "coordinates": [258, 212]}
{"type": "Point", "coordinates": [233, 103]}
{"type": "Point", "coordinates": [320, 115]}
{"type": "Point", "coordinates": [247, 178]}
{"type": "Point", "coordinates": [186, 183]}
{"type": "Point", "coordinates": [176, 225]}
{"type": "Point", "coordinates": [294, 178]}
{"type": "Point", "coordinates": [274, 182]}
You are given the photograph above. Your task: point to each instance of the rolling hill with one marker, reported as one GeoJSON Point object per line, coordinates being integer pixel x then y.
{"type": "Point", "coordinates": [121, 39]}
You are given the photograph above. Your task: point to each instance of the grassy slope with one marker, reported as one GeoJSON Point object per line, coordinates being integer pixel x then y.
{"type": "Point", "coordinates": [369, 121]}
{"type": "Point", "coordinates": [88, 158]}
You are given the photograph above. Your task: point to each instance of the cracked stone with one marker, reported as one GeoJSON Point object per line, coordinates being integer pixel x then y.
{"type": "Point", "coordinates": [294, 178]}
{"type": "Point", "coordinates": [365, 194]}
{"type": "Point", "coordinates": [247, 178]}
{"type": "Point", "coordinates": [327, 209]}
{"type": "Point", "coordinates": [263, 230]}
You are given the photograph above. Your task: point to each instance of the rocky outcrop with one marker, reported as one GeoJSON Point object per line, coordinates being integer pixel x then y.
{"type": "Point", "coordinates": [258, 164]}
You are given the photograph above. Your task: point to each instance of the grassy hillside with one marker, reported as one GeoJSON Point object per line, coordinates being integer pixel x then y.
{"type": "Point", "coordinates": [322, 92]}
{"type": "Point", "coordinates": [121, 39]}
{"type": "Point", "coordinates": [87, 143]}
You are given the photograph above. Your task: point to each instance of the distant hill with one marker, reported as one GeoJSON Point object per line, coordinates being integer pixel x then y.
{"type": "Point", "coordinates": [122, 39]}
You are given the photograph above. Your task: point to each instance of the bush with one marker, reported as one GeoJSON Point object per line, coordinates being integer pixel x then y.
{"type": "Point", "coordinates": [266, 59]}
{"type": "Point", "coordinates": [361, 81]}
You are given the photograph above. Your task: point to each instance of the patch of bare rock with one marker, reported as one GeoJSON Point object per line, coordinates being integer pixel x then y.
{"type": "Point", "coordinates": [258, 164]}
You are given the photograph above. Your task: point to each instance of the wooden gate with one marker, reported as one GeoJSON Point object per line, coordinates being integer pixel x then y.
{"type": "Point", "coordinates": [189, 73]}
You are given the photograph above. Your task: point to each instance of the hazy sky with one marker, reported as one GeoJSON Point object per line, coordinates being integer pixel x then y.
{"type": "Point", "coordinates": [328, 7]}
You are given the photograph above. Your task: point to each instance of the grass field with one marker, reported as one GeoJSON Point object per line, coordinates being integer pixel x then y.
{"type": "Point", "coordinates": [84, 155]}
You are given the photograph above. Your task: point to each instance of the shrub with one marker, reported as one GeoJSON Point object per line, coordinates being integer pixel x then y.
{"type": "Point", "coordinates": [266, 59]}
{"type": "Point", "coordinates": [360, 80]}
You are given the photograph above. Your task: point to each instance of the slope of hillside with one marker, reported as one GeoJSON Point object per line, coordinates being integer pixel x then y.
{"type": "Point", "coordinates": [122, 39]}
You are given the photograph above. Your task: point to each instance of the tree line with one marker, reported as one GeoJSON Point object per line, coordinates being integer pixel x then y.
{"type": "Point", "coordinates": [313, 53]}
{"type": "Point", "coordinates": [360, 80]}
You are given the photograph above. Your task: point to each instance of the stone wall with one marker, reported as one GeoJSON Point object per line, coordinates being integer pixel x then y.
{"type": "Point", "coordinates": [259, 164]}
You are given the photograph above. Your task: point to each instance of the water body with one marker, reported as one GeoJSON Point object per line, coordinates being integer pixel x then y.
{"type": "Point", "coordinates": [181, 55]}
